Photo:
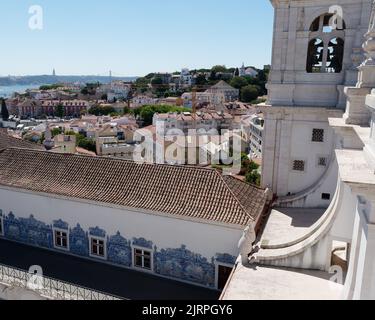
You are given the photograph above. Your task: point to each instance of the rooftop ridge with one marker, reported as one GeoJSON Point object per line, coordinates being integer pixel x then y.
{"type": "Point", "coordinates": [113, 159]}
{"type": "Point", "coordinates": [6, 142]}
{"type": "Point", "coordinates": [178, 191]}
{"type": "Point", "coordinates": [238, 201]}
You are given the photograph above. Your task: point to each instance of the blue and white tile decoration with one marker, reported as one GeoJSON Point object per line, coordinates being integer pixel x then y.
{"type": "Point", "coordinates": [177, 263]}
{"type": "Point", "coordinates": [97, 232]}
{"type": "Point", "coordinates": [79, 241]}
{"type": "Point", "coordinates": [119, 250]}
{"type": "Point", "coordinates": [225, 258]}
{"type": "Point", "coordinates": [141, 242]}
{"type": "Point", "coordinates": [59, 224]}
{"type": "Point", "coordinates": [186, 265]}
{"type": "Point", "coordinates": [30, 231]}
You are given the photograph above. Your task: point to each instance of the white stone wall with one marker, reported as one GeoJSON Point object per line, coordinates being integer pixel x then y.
{"type": "Point", "coordinates": [360, 280]}
{"type": "Point", "coordinates": [288, 137]}
{"type": "Point", "coordinates": [164, 231]}
{"type": "Point", "coordinates": [304, 101]}
{"type": "Point", "coordinates": [290, 84]}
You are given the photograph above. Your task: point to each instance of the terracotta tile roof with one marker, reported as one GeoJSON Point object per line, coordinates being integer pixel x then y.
{"type": "Point", "coordinates": [222, 85]}
{"type": "Point", "coordinates": [6, 141]}
{"type": "Point", "coordinates": [253, 199]}
{"type": "Point", "coordinates": [181, 191]}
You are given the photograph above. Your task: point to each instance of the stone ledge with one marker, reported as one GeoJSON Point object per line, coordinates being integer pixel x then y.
{"type": "Point", "coordinates": [354, 169]}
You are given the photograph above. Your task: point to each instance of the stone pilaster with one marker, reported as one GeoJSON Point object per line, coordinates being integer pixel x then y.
{"type": "Point", "coordinates": [356, 111]}
{"type": "Point", "coordinates": [364, 288]}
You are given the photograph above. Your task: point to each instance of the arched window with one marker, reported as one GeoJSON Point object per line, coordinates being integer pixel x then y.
{"type": "Point", "coordinates": [335, 55]}
{"type": "Point", "coordinates": [315, 55]}
{"type": "Point", "coordinates": [325, 51]}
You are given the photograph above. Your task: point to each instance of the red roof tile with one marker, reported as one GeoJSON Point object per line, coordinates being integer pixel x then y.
{"type": "Point", "coordinates": [7, 141]}
{"type": "Point", "coordinates": [180, 191]}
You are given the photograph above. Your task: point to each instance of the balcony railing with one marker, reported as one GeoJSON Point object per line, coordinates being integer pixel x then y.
{"type": "Point", "coordinates": [49, 288]}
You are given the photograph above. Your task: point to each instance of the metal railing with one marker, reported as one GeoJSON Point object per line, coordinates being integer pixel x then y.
{"type": "Point", "coordinates": [49, 288]}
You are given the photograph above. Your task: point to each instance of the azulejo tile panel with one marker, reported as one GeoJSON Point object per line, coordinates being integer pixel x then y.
{"type": "Point", "coordinates": [142, 242]}
{"type": "Point", "coordinates": [119, 250]}
{"type": "Point", "coordinates": [61, 224]}
{"type": "Point", "coordinates": [186, 265]}
{"type": "Point", "coordinates": [97, 232]}
{"type": "Point", "coordinates": [225, 258]}
{"type": "Point", "coordinates": [178, 263]}
{"type": "Point", "coordinates": [29, 231]}
{"type": "Point", "coordinates": [79, 241]}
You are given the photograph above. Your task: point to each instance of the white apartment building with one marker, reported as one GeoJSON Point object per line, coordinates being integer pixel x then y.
{"type": "Point", "coordinates": [186, 79]}
{"type": "Point", "coordinates": [256, 136]}
{"type": "Point", "coordinates": [116, 90]}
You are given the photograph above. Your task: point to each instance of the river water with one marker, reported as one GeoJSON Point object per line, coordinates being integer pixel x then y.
{"type": "Point", "coordinates": [7, 91]}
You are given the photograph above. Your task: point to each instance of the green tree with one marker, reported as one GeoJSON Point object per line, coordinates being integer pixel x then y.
{"type": "Point", "coordinates": [249, 93]}
{"type": "Point", "coordinates": [238, 82]}
{"type": "Point", "coordinates": [102, 110]}
{"type": "Point", "coordinates": [201, 80]}
{"type": "Point", "coordinates": [90, 88]}
{"type": "Point", "coordinates": [146, 113]}
{"type": "Point", "coordinates": [85, 91]}
{"type": "Point", "coordinates": [159, 87]}
{"type": "Point", "coordinates": [4, 110]}
{"type": "Point", "coordinates": [85, 143]}
{"type": "Point", "coordinates": [253, 177]}
{"type": "Point", "coordinates": [212, 78]}
{"type": "Point", "coordinates": [219, 68]}
{"type": "Point", "coordinates": [157, 81]}
{"type": "Point", "coordinates": [51, 87]}
{"type": "Point", "coordinates": [56, 131]}
{"type": "Point", "coordinates": [60, 111]}
{"type": "Point", "coordinates": [142, 84]}
{"type": "Point", "coordinates": [150, 76]}
{"type": "Point", "coordinates": [127, 110]}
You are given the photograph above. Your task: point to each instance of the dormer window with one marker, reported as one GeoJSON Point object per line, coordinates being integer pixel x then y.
{"type": "Point", "coordinates": [325, 51]}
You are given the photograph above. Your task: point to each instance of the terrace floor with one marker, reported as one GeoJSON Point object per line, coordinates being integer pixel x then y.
{"type": "Point", "coordinates": [268, 283]}
{"type": "Point", "coordinates": [285, 225]}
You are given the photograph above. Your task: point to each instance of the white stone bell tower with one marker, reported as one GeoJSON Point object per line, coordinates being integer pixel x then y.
{"type": "Point", "coordinates": [317, 49]}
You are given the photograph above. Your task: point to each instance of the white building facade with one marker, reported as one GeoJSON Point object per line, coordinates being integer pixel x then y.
{"type": "Point", "coordinates": [350, 215]}
{"type": "Point", "coordinates": [311, 65]}
{"type": "Point", "coordinates": [191, 243]}
{"type": "Point", "coordinates": [256, 136]}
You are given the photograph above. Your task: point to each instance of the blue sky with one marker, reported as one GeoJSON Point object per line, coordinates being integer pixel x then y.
{"type": "Point", "coordinates": [133, 38]}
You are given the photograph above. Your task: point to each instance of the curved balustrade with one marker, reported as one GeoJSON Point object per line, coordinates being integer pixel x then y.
{"type": "Point", "coordinates": [308, 251]}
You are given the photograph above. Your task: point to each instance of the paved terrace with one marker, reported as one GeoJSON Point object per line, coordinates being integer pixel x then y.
{"type": "Point", "coordinates": [288, 224]}
{"type": "Point", "coordinates": [259, 282]}
{"type": "Point", "coordinates": [267, 283]}
{"type": "Point", "coordinates": [117, 281]}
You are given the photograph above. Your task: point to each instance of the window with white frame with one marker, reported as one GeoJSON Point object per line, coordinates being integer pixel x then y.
{"type": "Point", "coordinates": [97, 247]}
{"type": "Point", "coordinates": [61, 239]}
{"type": "Point", "coordinates": [142, 259]}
